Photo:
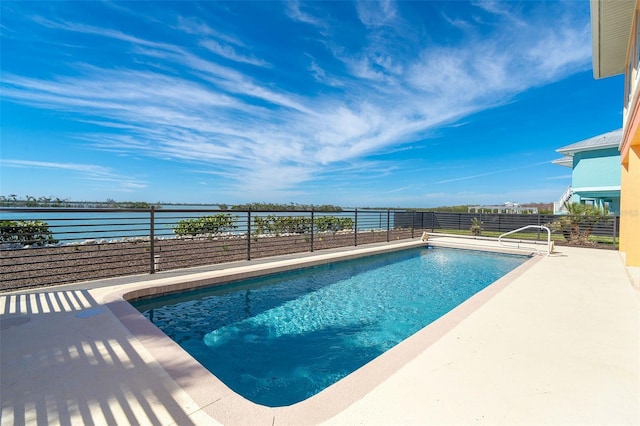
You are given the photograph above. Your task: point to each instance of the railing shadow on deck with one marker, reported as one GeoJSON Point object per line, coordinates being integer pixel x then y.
{"type": "Point", "coordinates": [66, 360]}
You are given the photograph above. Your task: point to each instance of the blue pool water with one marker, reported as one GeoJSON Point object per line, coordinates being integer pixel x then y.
{"type": "Point", "coordinates": [279, 339]}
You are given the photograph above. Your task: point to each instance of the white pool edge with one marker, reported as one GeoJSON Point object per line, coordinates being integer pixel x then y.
{"type": "Point", "coordinates": [223, 405]}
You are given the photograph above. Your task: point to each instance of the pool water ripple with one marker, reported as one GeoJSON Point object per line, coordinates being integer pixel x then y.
{"type": "Point", "coordinates": [280, 339]}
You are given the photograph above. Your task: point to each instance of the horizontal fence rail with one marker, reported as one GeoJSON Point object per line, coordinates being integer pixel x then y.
{"type": "Point", "coordinates": [48, 246]}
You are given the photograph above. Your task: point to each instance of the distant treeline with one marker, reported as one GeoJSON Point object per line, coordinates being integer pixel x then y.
{"type": "Point", "coordinates": [286, 207]}
{"type": "Point", "coordinates": [30, 201]}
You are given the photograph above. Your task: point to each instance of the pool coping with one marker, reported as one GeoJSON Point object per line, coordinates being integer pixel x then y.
{"type": "Point", "coordinates": [223, 405]}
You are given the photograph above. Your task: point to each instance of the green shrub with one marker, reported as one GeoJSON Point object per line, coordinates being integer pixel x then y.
{"type": "Point", "coordinates": [577, 226]}
{"type": "Point", "coordinates": [273, 224]}
{"type": "Point", "coordinates": [28, 232]}
{"type": "Point", "coordinates": [333, 223]}
{"type": "Point", "coordinates": [263, 225]}
{"type": "Point", "coordinates": [215, 224]}
{"type": "Point", "coordinates": [476, 227]}
{"type": "Point", "coordinates": [293, 225]}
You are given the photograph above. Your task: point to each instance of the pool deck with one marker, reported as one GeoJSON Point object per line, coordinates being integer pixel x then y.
{"type": "Point", "coordinates": [555, 342]}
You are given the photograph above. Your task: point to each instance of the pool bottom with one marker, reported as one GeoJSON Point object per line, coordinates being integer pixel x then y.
{"type": "Point", "coordinates": [280, 339]}
{"type": "Point", "coordinates": [220, 403]}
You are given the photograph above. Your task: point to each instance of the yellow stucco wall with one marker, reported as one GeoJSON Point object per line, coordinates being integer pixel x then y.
{"type": "Point", "coordinates": [630, 156]}
{"type": "Point", "coordinates": [630, 206]}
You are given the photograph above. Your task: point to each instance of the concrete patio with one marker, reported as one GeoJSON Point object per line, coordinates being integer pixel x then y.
{"type": "Point", "coordinates": [556, 341]}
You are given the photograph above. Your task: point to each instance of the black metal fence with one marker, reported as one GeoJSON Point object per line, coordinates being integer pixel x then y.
{"type": "Point", "coordinates": [606, 226]}
{"type": "Point", "coordinates": [58, 245]}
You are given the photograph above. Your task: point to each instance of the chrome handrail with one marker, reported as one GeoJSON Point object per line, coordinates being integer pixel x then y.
{"type": "Point", "coordinates": [549, 242]}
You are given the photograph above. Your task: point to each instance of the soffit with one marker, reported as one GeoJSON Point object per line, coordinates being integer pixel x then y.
{"type": "Point", "coordinates": [611, 22]}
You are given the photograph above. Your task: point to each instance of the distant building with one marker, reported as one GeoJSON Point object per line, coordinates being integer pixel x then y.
{"type": "Point", "coordinates": [615, 30]}
{"type": "Point", "coordinates": [508, 207]}
{"type": "Point", "coordinates": [595, 173]}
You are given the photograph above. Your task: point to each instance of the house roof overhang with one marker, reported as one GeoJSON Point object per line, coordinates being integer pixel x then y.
{"type": "Point", "coordinates": [607, 140]}
{"type": "Point", "coordinates": [611, 22]}
{"type": "Point", "coordinates": [565, 161]}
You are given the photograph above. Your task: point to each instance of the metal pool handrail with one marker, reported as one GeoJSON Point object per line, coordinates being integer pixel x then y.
{"type": "Point", "coordinates": [549, 242]}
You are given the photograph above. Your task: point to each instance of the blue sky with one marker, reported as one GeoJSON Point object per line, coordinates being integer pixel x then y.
{"type": "Point", "coordinates": [407, 104]}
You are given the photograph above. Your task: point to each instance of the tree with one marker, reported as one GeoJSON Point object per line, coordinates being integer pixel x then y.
{"type": "Point", "coordinates": [476, 227]}
{"type": "Point", "coordinates": [31, 201]}
{"type": "Point", "coordinates": [577, 225]}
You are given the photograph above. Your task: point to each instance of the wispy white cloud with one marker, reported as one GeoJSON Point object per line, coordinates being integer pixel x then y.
{"type": "Point", "coordinates": [191, 25]}
{"type": "Point", "coordinates": [492, 172]}
{"type": "Point", "coordinates": [251, 129]}
{"type": "Point", "coordinates": [559, 177]}
{"type": "Point", "coordinates": [83, 168]}
{"type": "Point", "coordinates": [89, 172]}
{"type": "Point", "coordinates": [99, 31]}
{"type": "Point", "coordinates": [229, 52]}
{"type": "Point", "coordinates": [321, 75]}
{"type": "Point", "coordinates": [377, 13]}
{"type": "Point", "coordinates": [457, 22]}
{"type": "Point", "coordinates": [404, 188]}
{"type": "Point", "coordinates": [294, 12]}
{"type": "Point", "coordinates": [502, 9]}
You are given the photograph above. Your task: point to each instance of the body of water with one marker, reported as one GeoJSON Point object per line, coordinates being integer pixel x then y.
{"type": "Point", "coordinates": [77, 225]}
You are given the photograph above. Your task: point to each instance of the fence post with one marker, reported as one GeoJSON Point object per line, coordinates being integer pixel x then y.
{"type": "Point", "coordinates": [615, 231]}
{"type": "Point", "coordinates": [413, 223]}
{"type": "Point", "coordinates": [355, 229]}
{"type": "Point", "coordinates": [152, 241]}
{"type": "Point", "coordinates": [388, 224]}
{"type": "Point", "coordinates": [249, 234]}
{"type": "Point", "coordinates": [312, 218]}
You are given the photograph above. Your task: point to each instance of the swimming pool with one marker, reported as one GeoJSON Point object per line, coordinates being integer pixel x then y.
{"type": "Point", "coordinates": [279, 339]}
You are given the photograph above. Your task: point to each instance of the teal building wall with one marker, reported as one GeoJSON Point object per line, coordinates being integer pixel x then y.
{"type": "Point", "coordinates": [596, 178]}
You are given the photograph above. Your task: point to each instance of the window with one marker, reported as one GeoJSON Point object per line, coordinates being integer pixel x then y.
{"type": "Point", "coordinates": [636, 45]}
{"type": "Point", "coordinates": [633, 76]}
